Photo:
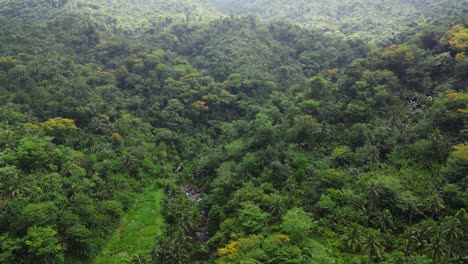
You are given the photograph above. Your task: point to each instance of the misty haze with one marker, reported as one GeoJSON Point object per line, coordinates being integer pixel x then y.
{"type": "Point", "coordinates": [234, 131]}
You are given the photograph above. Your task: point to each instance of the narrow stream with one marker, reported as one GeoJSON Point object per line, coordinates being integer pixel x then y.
{"type": "Point", "coordinates": [194, 193]}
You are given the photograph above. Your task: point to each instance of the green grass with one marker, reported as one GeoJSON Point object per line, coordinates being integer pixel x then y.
{"type": "Point", "coordinates": [141, 226]}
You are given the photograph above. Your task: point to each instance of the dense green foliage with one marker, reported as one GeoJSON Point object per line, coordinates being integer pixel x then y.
{"type": "Point", "coordinates": [374, 20]}
{"type": "Point", "coordinates": [340, 142]}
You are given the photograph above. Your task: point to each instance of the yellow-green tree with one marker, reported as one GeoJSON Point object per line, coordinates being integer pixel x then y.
{"type": "Point", "coordinates": [457, 164]}
{"type": "Point", "coordinates": [62, 129]}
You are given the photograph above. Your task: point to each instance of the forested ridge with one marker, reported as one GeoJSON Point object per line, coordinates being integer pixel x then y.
{"type": "Point", "coordinates": [233, 131]}
{"type": "Point", "coordinates": [376, 21]}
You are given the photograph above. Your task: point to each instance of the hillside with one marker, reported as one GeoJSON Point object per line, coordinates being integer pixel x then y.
{"type": "Point", "coordinates": [371, 19]}
{"type": "Point", "coordinates": [173, 132]}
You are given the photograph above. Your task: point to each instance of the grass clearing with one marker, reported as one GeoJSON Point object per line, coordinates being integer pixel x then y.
{"type": "Point", "coordinates": [140, 227]}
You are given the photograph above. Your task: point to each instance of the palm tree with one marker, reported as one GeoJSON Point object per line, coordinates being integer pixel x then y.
{"type": "Point", "coordinates": [434, 204]}
{"type": "Point", "coordinates": [18, 187]}
{"type": "Point", "coordinates": [371, 244]}
{"type": "Point", "coordinates": [413, 207]}
{"type": "Point", "coordinates": [437, 248]}
{"type": "Point", "coordinates": [384, 220]}
{"type": "Point", "coordinates": [184, 214]}
{"type": "Point", "coordinates": [382, 193]}
{"type": "Point", "coordinates": [180, 249]}
{"type": "Point", "coordinates": [277, 206]}
{"type": "Point", "coordinates": [354, 238]}
{"type": "Point", "coordinates": [374, 192]}
{"type": "Point", "coordinates": [291, 187]}
{"type": "Point", "coordinates": [408, 241]}
{"type": "Point", "coordinates": [173, 249]}
{"type": "Point", "coordinates": [418, 236]}
{"type": "Point", "coordinates": [187, 222]}
{"type": "Point", "coordinates": [451, 231]}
